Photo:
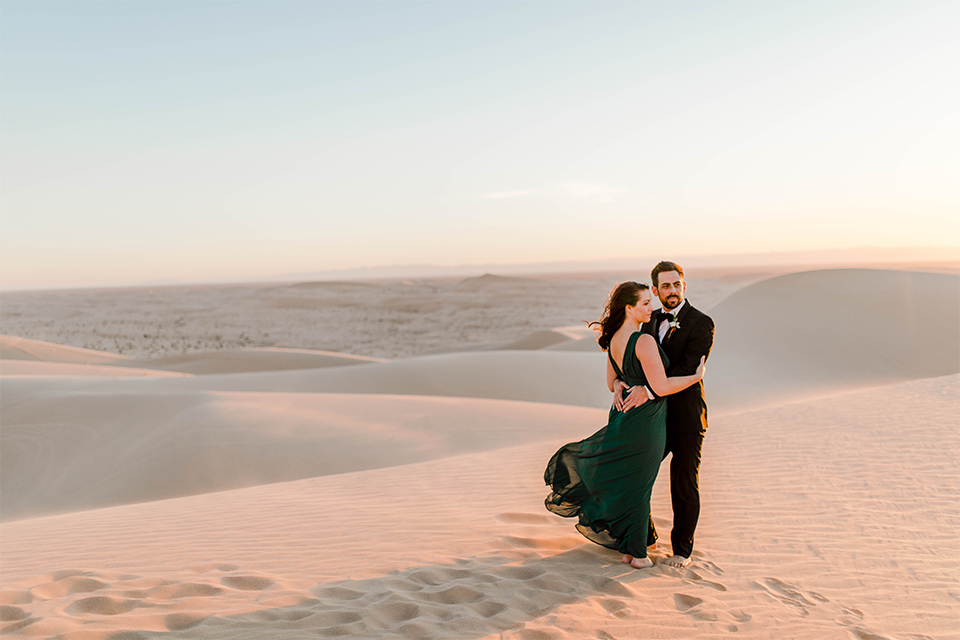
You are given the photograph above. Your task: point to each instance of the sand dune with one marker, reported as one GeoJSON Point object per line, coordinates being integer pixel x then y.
{"type": "Point", "coordinates": [14, 348]}
{"type": "Point", "coordinates": [561, 338]}
{"type": "Point", "coordinates": [533, 376]}
{"type": "Point", "coordinates": [64, 451]}
{"type": "Point", "coordinates": [774, 343]}
{"type": "Point", "coordinates": [586, 343]}
{"type": "Point", "coordinates": [832, 330]}
{"type": "Point", "coordinates": [47, 369]}
{"type": "Point", "coordinates": [530, 376]}
{"type": "Point", "coordinates": [544, 339]}
{"type": "Point", "coordinates": [278, 494]}
{"type": "Point", "coordinates": [221, 361]}
{"type": "Point", "coordinates": [818, 518]}
{"type": "Point", "coordinates": [254, 359]}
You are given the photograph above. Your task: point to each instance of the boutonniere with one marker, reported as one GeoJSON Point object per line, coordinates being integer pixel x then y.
{"type": "Point", "coordinates": [672, 325]}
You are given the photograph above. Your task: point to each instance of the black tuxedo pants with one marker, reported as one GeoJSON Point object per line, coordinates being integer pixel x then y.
{"type": "Point", "coordinates": [686, 448]}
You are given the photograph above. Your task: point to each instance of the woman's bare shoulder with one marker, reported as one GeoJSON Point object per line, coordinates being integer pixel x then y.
{"type": "Point", "coordinates": [646, 342]}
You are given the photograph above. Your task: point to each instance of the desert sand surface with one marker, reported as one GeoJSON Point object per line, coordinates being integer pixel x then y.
{"type": "Point", "coordinates": [200, 485]}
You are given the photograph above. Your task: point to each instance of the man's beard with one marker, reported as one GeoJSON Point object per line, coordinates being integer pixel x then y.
{"type": "Point", "coordinates": [672, 302]}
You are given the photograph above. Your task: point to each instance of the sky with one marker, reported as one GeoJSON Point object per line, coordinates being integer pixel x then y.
{"type": "Point", "coordinates": [219, 141]}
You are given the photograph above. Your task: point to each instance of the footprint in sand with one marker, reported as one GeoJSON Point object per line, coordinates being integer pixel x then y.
{"type": "Point", "coordinates": [706, 565]}
{"type": "Point", "coordinates": [791, 595]}
{"type": "Point", "coordinates": [614, 607]}
{"type": "Point", "coordinates": [101, 606]}
{"type": "Point", "coordinates": [518, 573]}
{"type": "Point", "coordinates": [181, 621]}
{"type": "Point", "coordinates": [18, 618]}
{"type": "Point", "coordinates": [696, 578]}
{"type": "Point", "coordinates": [195, 590]}
{"type": "Point", "coordinates": [183, 590]}
{"type": "Point", "coordinates": [849, 616]}
{"type": "Point", "coordinates": [537, 634]}
{"type": "Point", "coordinates": [690, 605]}
{"type": "Point", "coordinates": [295, 615]}
{"type": "Point", "coordinates": [863, 634]}
{"type": "Point", "coordinates": [83, 585]}
{"type": "Point", "coordinates": [68, 583]}
{"type": "Point", "coordinates": [246, 583]}
{"type": "Point", "coordinates": [12, 614]}
{"type": "Point", "coordinates": [489, 608]}
{"type": "Point", "coordinates": [685, 603]}
{"type": "Point", "coordinates": [457, 594]}
{"type": "Point", "coordinates": [330, 618]}
{"type": "Point", "coordinates": [339, 593]}
{"type": "Point", "coordinates": [741, 616]}
{"type": "Point", "coordinates": [393, 613]}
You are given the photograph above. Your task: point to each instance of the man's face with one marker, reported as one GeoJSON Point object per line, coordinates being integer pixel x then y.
{"type": "Point", "coordinates": [670, 290]}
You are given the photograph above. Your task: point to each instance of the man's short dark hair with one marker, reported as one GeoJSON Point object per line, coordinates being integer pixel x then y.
{"type": "Point", "coordinates": [662, 267]}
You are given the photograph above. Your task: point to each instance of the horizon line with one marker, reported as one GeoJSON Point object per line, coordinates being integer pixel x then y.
{"type": "Point", "coordinates": [941, 254]}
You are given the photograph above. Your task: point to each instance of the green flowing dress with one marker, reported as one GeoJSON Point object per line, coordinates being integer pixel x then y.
{"type": "Point", "coordinates": [606, 480]}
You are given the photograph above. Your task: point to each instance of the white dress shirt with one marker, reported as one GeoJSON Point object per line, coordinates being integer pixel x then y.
{"type": "Point", "coordinates": [665, 325]}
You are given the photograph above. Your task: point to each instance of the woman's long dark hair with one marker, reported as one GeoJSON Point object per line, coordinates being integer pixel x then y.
{"type": "Point", "coordinates": [615, 311]}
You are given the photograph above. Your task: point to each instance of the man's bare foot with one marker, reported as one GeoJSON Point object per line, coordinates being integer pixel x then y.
{"type": "Point", "coordinates": [677, 561]}
{"type": "Point", "coordinates": [641, 563]}
{"type": "Point", "coordinates": [626, 559]}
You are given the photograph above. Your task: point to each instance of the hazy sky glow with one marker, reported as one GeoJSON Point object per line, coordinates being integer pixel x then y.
{"type": "Point", "coordinates": [225, 140]}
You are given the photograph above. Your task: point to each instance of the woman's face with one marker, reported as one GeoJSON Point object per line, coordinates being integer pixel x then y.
{"type": "Point", "coordinates": [643, 310]}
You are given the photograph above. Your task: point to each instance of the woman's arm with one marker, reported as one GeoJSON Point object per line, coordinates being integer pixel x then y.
{"type": "Point", "coordinates": [649, 357]}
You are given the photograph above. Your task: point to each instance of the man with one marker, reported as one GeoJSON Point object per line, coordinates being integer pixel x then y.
{"type": "Point", "coordinates": [686, 335]}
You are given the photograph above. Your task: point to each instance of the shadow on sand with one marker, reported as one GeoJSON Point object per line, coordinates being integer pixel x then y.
{"type": "Point", "coordinates": [467, 599]}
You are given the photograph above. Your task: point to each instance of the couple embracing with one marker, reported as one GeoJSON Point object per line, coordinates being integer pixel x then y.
{"type": "Point", "coordinates": [655, 364]}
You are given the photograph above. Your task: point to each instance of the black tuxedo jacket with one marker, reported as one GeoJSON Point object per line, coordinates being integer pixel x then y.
{"type": "Point", "coordinates": [686, 410]}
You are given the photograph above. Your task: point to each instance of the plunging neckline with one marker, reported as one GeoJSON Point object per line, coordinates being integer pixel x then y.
{"type": "Point", "coordinates": [619, 370]}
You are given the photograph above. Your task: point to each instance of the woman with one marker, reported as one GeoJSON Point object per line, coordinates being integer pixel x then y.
{"type": "Point", "coordinates": [607, 479]}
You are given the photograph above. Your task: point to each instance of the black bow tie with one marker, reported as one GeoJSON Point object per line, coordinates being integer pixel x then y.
{"type": "Point", "coordinates": [665, 315]}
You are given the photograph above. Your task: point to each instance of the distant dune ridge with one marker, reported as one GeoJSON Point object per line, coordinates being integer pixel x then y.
{"type": "Point", "coordinates": [13, 348]}
{"type": "Point", "coordinates": [270, 492]}
{"type": "Point", "coordinates": [223, 361]}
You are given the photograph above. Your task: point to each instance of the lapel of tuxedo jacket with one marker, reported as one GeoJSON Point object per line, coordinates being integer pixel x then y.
{"type": "Point", "coordinates": [683, 312]}
{"type": "Point", "coordinates": [680, 317]}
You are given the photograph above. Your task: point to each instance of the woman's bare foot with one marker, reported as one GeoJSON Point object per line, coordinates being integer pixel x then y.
{"type": "Point", "coordinates": [626, 559]}
{"type": "Point", "coordinates": [641, 563]}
